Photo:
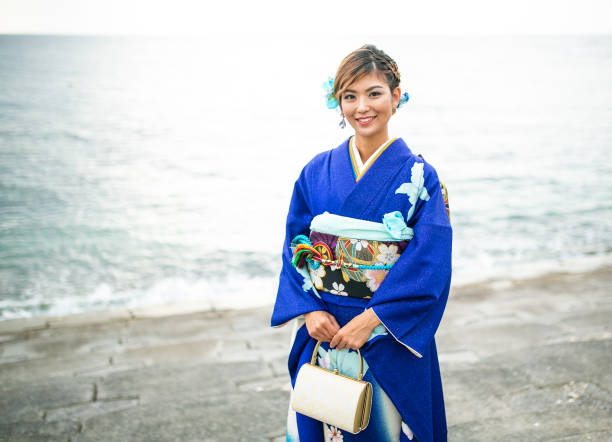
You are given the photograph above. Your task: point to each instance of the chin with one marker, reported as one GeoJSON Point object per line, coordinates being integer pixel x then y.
{"type": "Point", "coordinates": [369, 132]}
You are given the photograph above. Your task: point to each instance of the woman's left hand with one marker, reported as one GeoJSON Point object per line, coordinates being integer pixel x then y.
{"type": "Point", "coordinates": [356, 332]}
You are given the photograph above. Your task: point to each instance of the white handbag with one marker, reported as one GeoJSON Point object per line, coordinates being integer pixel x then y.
{"type": "Point", "coordinates": [331, 397]}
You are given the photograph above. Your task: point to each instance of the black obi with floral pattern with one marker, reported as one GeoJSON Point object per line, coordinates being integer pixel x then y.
{"type": "Point", "coordinates": [350, 274]}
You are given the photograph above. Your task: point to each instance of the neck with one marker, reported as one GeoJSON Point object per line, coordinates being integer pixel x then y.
{"type": "Point", "coordinates": [368, 145]}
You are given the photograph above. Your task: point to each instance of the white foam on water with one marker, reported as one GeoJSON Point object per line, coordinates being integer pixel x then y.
{"type": "Point", "coordinates": [175, 293]}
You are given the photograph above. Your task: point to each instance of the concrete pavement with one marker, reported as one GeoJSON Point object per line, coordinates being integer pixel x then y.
{"type": "Point", "coordinates": [525, 360]}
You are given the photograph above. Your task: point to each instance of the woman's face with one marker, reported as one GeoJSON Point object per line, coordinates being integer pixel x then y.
{"type": "Point", "coordinates": [368, 104]}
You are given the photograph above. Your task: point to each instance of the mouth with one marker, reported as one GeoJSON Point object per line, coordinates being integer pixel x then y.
{"type": "Point", "coordinates": [364, 121]}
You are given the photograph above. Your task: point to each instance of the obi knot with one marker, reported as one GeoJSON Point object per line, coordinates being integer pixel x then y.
{"type": "Point", "coordinates": [396, 226]}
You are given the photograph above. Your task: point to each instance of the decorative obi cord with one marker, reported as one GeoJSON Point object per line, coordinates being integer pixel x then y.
{"type": "Point", "coordinates": [348, 256]}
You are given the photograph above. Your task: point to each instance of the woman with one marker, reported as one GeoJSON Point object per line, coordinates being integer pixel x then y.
{"type": "Point", "coordinates": [376, 274]}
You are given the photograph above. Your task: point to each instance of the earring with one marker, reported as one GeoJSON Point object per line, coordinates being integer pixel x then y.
{"type": "Point", "coordinates": [393, 110]}
{"type": "Point", "coordinates": [342, 123]}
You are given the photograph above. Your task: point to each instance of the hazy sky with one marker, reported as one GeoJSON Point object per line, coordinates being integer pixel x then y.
{"type": "Point", "coordinates": [337, 16]}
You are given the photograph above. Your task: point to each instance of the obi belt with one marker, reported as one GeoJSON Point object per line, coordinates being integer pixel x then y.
{"type": "Point", "coordinates": [348, 256]}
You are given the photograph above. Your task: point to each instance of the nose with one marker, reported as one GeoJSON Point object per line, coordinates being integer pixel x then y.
{"type": "Point", "coordinates": [362, 105]}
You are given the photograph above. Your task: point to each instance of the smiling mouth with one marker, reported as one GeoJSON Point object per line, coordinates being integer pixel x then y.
{"type": "Point", "coordinates": [365, 120]}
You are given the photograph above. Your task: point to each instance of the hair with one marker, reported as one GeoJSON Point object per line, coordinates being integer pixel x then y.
{"type": "Point", "coordinates": [361, 62]}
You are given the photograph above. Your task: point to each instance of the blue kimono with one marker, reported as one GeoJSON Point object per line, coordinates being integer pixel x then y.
{"type": "Point", "coordinates": [401, 353]}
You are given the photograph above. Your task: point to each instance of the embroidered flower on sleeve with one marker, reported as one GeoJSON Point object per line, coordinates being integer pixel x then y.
{"type": "Point", "coordinates": [387, 255]}
{"type": "Point", "coordinates": [374, 278]}
{"type": "Point", "coordinates": [338, 289]}
{"type": "Point", "coordinates": [316, 275]}
{"type": "Point", "coordinates": [415, 189]}
{"type": "Point", "coordinates": [333, 434]}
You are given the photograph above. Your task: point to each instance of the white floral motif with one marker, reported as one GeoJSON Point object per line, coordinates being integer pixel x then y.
{"type": "Point", "coordinates": [415, 189]}
{"type": "Point", "coordinates": [387, 254]}
{"type": "Point", "coordinates": [359, 243]}
{"type": "Point", "coordinates": [316, 275]}
{"type": "Point", "coordinates": [333, 434]}
{"type": "Point", "coordinates": [338, 289]}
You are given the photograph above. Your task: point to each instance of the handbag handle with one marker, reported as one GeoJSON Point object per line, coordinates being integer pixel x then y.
{"type": "Point", "coordinates": [314, 358]}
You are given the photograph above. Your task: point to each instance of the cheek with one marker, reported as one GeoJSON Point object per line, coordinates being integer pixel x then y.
{"type": "Point", "coordinates": [350, 113]}
{"type": "Point", "coordinates": [388, 108]}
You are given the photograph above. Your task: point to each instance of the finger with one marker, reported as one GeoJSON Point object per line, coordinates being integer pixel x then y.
{"type": "Point", "coordinates": [341, 345]}
{"type": "Point", "coordinates": [334, 340]}
{"type": "Point", "coordinates": [325, 338]}
{"type": "Point", "coordinates": [334, 323]}
{"type": "Point", "coordinates": [326, 329]}
{"type": "Point", "coordinates": [331, 329]}
{"type": "Point", "coordinates": [315, 333]}
{"type": "Point", "coordinates": [324, 335]}
{"type": "Point", "coordinates": [318, 328]}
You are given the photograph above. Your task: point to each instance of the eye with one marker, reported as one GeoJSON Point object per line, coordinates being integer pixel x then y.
{"type": "Point", "coordinates": [375, 94]}
{"type": "Point", "coordinates": [348, 97]}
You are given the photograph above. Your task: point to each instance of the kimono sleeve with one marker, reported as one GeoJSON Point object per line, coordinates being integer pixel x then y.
{"type": "Point", "coordinates": [411, 299]}
{"type": "Point", "coordinates": [296, 294]}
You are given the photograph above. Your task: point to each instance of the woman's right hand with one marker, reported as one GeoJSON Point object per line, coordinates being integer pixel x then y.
{"type": "Point", "coordinates": [321, 325]}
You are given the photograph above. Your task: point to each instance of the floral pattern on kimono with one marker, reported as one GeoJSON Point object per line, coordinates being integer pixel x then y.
{"type": "Point", "coordinates": [357, 283]}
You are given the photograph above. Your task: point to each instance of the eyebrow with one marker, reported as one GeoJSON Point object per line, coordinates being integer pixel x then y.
{"type": "Point", "coordinates": [367, 90]}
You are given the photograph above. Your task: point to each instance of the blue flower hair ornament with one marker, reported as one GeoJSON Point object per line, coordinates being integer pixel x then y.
{"type": "Point", "coordinates": [403, 99]}
{"type": "Point", "coordinates": [332, 102]}
{"type": "Point", "coordinates": [328, 86]}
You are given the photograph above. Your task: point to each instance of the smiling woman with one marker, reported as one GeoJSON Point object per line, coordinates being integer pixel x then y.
{"type": "Point", "coordinates": [367, 86]}
{"type": "Point", "coordinates": [368, 105]}
{"type": "Point", "coordinates": [367, 265]}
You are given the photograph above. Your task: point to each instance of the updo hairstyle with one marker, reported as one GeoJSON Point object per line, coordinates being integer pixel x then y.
{"type": "Point", "coordinates": [361, 62]}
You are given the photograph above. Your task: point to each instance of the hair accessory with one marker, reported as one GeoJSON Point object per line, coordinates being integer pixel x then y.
{"type": "Point", "coordinates": [328, 86]}
{"type": "Point", "coordinates": [403, 99]}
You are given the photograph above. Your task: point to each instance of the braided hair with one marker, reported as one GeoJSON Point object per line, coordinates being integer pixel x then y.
{"type": "Point", "coordinates": [361, 62]}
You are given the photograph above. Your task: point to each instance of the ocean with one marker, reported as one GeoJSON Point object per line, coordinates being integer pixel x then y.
{"type": "Point", "coordinates": [149, 170]}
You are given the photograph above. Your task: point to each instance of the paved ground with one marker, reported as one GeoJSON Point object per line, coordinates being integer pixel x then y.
{"type": "Point", "coordinates": [523, 361]}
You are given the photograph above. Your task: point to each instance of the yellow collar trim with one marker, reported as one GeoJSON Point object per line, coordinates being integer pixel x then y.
{"type": "Point", "coordinates": [356, 173]}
